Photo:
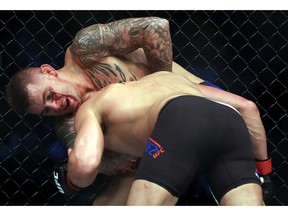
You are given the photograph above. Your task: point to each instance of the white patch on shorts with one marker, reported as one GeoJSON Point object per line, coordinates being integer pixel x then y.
{"type": "Point", "coordinates": [225, 105]}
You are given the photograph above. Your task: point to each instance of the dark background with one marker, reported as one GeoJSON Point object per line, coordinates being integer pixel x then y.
{"type": "Point", "coordinates": [244, 52]}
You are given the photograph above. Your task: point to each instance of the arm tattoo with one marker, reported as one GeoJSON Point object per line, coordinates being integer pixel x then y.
{"type": "Point", "coordinates": [64, 129]}
{"type": "Point", "coordinates": [123, 36]}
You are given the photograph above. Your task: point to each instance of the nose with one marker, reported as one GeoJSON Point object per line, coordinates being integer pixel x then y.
{"type": "Point", "coordinates": [57, 104]}
{"type": "Point", "coordinates": [59, 100]}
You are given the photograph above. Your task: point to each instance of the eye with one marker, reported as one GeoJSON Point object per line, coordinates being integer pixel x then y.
{"type": "Point", "coordinates": [49, 96]}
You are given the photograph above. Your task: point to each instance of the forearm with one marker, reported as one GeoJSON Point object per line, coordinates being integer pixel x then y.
{"type": "Point", "coordinates": [250, 114]}
{"type": "Point", "coordinates": [257, 132]}
{"type": "Point", "coordinates": [80, 175]}
{"type": "Point", "coordinates": [123, 36]}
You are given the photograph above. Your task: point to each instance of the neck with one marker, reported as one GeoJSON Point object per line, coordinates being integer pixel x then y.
{"type": "Point", "coordinates": [79, 80]}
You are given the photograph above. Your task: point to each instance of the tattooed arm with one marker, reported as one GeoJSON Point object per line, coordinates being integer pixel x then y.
{"type": "Point", "coordinates": [112, 163]}
{"type": "Point", "coordinates": [124, 36]}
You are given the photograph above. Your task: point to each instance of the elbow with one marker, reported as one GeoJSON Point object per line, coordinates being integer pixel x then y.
{"type": "Point", "coordinates": [250, 107]}
{"type": "Point", "coordinates": [88, 167]}
{"type": "Point", "coordinates": [82, 172]}
{"type": "Point", "coordinates": [157, 24]}
{"type": "Point", "coordinates": [162, 23]}
{"type": "Point", "coordinates": [159, 46]}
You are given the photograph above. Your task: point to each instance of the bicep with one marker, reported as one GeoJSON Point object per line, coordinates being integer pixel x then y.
{"type": "Point", "coordinates": [84, 158]}
{"type": "Point", "coordinates": [88, 41]}
{"type": "Point", "coordinates": [89, 142]}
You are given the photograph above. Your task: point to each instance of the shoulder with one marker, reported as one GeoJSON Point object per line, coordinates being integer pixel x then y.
{"type": "Point", "coordinates": [95, 102]}
{"type": "Point", "coordinates": [103, 99]}
{"type": "Point", "coordinates": [110, 94]}
{"type": "Point", "coordinates": [87, 111]}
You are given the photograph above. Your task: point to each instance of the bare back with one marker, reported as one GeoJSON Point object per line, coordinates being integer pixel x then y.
{"type": "Point", "coordinates": [128, 112]}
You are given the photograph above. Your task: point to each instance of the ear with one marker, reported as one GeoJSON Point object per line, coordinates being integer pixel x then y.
{"type": "Point", "coordinates": [47, 69]}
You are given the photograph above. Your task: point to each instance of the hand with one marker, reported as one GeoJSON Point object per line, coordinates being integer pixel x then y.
{"type": "Point", "coordinates": [267, 187]}
{"type": "Point", "coordinates": [126, 166]}
{"type": "Point", "coordinates": [264, 170]}
{"type": "Point", "coordinates": [60, 180]}
{"type": "Point", "coordinates": [113, 163]}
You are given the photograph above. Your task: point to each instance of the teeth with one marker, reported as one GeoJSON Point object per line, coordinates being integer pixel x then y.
{"type": "Point", "coordinates": [66, 104]}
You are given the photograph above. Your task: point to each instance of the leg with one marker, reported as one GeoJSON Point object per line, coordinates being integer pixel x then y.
{"type": "Point", "coordinates": [232, 174]}
{"type": "Point", "coordinates": [146, 193]}
{"type": "Point", "coordinates": [116, 192]}
{"type": "Point", "coordinates": [244, 195]}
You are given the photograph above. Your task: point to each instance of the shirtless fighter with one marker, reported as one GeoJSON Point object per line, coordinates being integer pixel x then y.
{"type": "Point", "coordinates": [164, 120]}
{"type": "Point", "coordinates": [120, 51]}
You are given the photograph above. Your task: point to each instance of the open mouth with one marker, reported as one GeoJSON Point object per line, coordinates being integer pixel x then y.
{"type": "Point", "coordinates": [71, 104]}
{"type": "Point", "coordinates": [66, 104]}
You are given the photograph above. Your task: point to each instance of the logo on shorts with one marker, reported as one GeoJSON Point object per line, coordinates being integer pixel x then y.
{"type": "Point", "coordinates": [153, 148]}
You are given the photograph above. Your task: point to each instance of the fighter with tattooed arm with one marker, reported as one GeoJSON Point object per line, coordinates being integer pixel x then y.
{"type": "Point", "coordinates": [119, 51]}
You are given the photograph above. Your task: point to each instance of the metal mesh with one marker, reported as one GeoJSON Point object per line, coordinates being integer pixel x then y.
{"type": "Point", "coordinates": [244, 52]}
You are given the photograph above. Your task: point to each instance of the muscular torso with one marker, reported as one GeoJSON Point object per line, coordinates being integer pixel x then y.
{"type": "Point", "coordinates": [129, 111]}
{"type": "Point", "coordinates": [102, 72]}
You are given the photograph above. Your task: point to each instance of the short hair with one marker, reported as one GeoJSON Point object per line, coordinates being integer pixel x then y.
{"type": "Point", "coordinates": [16, 91]}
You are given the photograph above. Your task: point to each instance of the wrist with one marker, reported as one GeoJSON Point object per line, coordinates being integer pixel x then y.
{"type": "Point", "coordinates": [264, 167]}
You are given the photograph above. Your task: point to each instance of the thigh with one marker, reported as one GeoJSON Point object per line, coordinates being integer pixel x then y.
{"type": "Point", "coordinates": [235, 166]}
{"type": "Point", "coordinates": [244, 195]}
{"type": "Point", "coordinates": [116, 192]}
{"type": "Point", "coordinates": [145, 193]}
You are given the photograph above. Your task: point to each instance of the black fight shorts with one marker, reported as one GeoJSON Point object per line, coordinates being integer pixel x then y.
{"type": "Point", "coordinates": [195, 136]}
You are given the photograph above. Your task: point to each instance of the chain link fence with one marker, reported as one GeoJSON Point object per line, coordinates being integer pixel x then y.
{"type": "Point", "coordinates": [245, 52]}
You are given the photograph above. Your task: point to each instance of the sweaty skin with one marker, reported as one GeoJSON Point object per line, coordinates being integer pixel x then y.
{"type": "Point", "coordinates": [122, 51]}
{"type": "Point", "coordinates": [104, 111]}
{"type": "Point", "coordinates": [110, 54]}
{"type": "Point", "coordinates": [129, 49]}
{"type": "Point", "coordinates": [97, 125]}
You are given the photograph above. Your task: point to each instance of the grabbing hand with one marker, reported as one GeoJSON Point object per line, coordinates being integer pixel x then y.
{"type": "Point", "coordinates": [113, 163]}
{"type": "Point", "coordinates": [125, 166]}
